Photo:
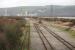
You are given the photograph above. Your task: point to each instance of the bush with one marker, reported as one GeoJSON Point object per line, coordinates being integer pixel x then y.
{"type": "Point", "coordinates": [13, 34]}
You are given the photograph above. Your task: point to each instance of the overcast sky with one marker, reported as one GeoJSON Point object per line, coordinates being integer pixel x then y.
{"type": "Point", "coordinates": [14, 3]}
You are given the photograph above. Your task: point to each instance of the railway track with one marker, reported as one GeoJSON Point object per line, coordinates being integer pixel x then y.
{"type": "Point", "coordinates": [43, 38]}
{"type": "Point", "coordinates": [29, 40]}
{"type": "Point", "coordinates": [63, 41]}
{"type": "Point", "coordinates": [26, 42]}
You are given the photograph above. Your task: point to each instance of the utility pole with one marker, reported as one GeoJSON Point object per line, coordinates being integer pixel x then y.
{"type": "Point", "coordinates": [6, 12]}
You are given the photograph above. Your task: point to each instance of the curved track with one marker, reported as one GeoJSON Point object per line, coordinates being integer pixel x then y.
{"type": "Point", "coordinates": [26, 41]}
{"type": "Point", "coordinates": [43, 38]}
{"type": "Point", "coordinates": [63, 41]}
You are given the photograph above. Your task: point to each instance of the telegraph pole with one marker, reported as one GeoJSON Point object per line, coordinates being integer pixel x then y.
{"type": "Point", "coordinates": [6, 12]}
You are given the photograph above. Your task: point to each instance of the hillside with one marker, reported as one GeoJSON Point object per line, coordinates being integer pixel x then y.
{"type": "Point", "coordinates": [49, 10]}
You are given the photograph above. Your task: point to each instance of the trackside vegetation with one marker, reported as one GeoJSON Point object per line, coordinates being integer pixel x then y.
{"type": "Point", "coordinates": [11, 32]}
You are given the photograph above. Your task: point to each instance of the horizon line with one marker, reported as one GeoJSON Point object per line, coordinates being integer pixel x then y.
{"type": "Point", "coordinates": [36, 6]}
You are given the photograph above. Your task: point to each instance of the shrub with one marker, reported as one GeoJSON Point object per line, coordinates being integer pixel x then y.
{"type": "Point", "coordinates": [13, 33]}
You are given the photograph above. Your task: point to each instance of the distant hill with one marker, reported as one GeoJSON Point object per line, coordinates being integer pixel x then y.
{"type": "Point", "coordinates": [49, 10]}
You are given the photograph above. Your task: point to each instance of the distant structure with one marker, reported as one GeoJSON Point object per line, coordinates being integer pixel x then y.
{"type": "Point", "coordinates": [26, 13]}
{"type": "Point", "coordinates": [21, 14]}
{"type": "Point", "coordinates": [5, 14]}
{"type": "Point", "coordinates": [30, 14]}
{"type": "Point", "coordinates": [33, 14]}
